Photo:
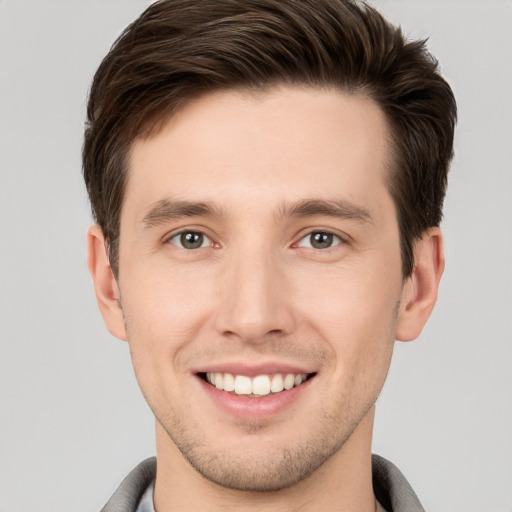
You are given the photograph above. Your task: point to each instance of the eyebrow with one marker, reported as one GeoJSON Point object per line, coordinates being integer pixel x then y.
{"type": "Point", "coordinates": [338, 208]}
{"type": "Point", "coordinates": [167, 209]}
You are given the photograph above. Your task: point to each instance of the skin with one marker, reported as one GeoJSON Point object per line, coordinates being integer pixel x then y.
{"type": "Point", "coordinates": [257, 292]}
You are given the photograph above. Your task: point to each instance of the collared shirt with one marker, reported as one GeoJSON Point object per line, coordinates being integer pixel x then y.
{"type": "Point", "coordinates": [146, 502]}
{"type": "Point", "coordinates": [393, 492]}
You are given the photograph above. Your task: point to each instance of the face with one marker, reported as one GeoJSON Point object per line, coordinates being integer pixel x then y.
{"type": "Point", "coordinates": [260, 279]}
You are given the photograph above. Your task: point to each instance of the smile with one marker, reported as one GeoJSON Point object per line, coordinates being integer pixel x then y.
{"type": "Point", "coordinates": [260, 385]}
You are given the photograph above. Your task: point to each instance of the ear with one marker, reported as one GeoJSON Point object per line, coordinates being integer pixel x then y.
{"type": "Point", "coordinates": [419, 293]}
{"type": "Point", "coordinates": [105, 284]}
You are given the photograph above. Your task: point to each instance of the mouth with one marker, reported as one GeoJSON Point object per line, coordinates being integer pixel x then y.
{"type": "Point", "coordinates": [258, 386]}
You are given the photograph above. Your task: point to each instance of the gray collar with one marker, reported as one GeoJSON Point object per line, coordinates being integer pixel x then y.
{"type": "Point", "coordinates": [390, 486]}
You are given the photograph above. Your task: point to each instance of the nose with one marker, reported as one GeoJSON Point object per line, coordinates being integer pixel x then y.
{"type": "Point", "coordinates": [256, 297]}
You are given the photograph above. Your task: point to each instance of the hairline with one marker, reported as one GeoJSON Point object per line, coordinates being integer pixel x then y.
{"type": "Point", "coordinates": [154, 124]}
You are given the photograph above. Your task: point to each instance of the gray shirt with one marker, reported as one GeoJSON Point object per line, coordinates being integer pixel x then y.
{"type": "Point", "coordinates": [393, 492]}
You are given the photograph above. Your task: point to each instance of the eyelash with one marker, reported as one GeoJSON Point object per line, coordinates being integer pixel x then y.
{"type": "Point", "coordinates": [179, 236]}
{"type": "Point", "coordinates": [332, 240]}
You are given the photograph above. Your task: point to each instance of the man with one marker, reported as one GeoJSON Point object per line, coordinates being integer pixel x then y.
{"type": "Point", "coordinates": [267, 179]}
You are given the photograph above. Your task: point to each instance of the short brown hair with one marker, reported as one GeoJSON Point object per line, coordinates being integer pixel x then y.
{"type": "Point", "coordinates": [180, 49]}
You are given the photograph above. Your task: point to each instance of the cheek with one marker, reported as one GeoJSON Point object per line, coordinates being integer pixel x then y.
{"type": "Point", "coordinates": [164, 300]}
{"type": "Point", "coordinates": [161, 316]}
{"type": "Point", "coordinates": [355, 313]}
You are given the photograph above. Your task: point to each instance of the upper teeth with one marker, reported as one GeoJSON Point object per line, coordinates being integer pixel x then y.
{"type": "Point", "coordinates": [258, 386]}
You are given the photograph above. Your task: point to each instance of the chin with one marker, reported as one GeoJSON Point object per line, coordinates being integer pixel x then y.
{"type": "Point", "coordinates": [261, 466]}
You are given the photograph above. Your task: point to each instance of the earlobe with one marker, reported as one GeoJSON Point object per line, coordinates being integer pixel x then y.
{"type": "Point", "coordinates": [419, 293]}
{"type": "Point", "coordinates": [105, 284]}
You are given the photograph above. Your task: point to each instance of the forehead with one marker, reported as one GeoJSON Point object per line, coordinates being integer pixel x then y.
{"type": "Point", "coordinates": [281, 145]}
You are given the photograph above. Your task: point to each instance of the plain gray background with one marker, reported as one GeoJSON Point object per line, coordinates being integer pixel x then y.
{"type": "Point", "coordinates": [73, 421]}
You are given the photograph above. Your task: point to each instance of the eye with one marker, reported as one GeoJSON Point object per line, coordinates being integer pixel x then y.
{"type": "Point", "coordinates": [320, 240]}
{"type": "Point", "coordinates": [190, 240]}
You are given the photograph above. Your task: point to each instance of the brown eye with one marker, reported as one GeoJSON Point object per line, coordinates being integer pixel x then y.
{"type": "Point", "coordinates": [320, 240]}
{"type": "Point", "coordinates": [190, 240]}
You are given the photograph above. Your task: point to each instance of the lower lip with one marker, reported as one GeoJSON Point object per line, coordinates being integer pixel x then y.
{"type": "Point", "coordinates": [254, 408]}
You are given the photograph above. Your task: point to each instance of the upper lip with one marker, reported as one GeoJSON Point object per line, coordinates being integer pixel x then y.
{"type": "Point", "coordinates": [253, 370]}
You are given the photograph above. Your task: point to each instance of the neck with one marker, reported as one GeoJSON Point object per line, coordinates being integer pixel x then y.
{"type": "Point", "coordinates": [343, 482]}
